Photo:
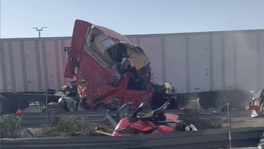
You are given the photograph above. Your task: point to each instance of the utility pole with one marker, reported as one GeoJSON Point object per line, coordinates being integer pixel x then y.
{"type": "Point", "coordinates": [39, 30]}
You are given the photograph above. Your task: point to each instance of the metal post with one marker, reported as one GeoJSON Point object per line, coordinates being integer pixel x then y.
{"type": "Point", "coordinates": [47, 107]}
{"type": "Point", "coordinates": [229, 126]}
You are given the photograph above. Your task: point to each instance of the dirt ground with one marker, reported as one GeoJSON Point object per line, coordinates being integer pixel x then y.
{"type": "Point", "coordinates": [209, 119]}
{"type": "Point", "coordinates": [239, 122]}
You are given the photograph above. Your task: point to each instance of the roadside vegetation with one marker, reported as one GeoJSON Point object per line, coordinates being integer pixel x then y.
{"type": "Point", "coordinates": [71, 126]}
{"type": "Point", "coordinates": [10, 125]}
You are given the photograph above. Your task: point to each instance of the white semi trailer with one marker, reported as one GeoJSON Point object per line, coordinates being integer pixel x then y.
{"type": "Point", "coordinates": [208, 64]}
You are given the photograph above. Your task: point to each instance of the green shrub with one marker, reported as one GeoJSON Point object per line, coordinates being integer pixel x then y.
{"type": "Point", "coordinates": [9, 125]}
{"type": "Point", "coordinates": [70, 126]}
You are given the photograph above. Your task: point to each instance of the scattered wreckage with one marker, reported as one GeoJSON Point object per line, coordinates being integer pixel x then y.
{"type": "Point", "coordinates": [138, 122]}
{"type": "Point", "coordinates": [256, 105]}
{"type": "Point", "coordinates": [154, 122]}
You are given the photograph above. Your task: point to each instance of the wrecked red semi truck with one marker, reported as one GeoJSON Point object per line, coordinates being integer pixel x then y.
{"type": "Point", "coordinates": [109, 70]}
{"type": "Point", "coordinates": [106, 69]}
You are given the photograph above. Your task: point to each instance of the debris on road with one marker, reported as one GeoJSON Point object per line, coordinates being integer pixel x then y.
{"type": "Point", "coordinates": [256, 106]}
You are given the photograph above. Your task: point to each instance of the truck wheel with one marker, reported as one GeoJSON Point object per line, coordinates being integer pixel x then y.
{"type": "Point", "coordinates": [2, 100]}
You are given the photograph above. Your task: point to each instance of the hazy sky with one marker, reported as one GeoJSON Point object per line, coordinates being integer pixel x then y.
{"type": "Point", "coordinates": [129, 16]}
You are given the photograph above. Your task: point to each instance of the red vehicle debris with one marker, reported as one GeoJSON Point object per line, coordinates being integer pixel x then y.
{"type": "Point", "coordinates": [109, 70]}
{"type": "Point", "coordinates": [256, 105]}
{"type": "Point", "coordinates": [138, 122]}
{"type": "Point", "coordinates": [154, 122]}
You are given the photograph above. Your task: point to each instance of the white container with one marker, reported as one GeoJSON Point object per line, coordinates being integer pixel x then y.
{"type": "Point", "coordinates": [192, 62]}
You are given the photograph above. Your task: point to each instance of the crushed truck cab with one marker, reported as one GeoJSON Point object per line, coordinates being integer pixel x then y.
{"type": "Point", "coordinates": [108, 68]}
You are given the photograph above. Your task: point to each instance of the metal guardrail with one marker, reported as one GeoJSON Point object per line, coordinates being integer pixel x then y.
{"type": "Point", "coordinates": [205, 139]}
{"type": "Point", "coordinates": [38, 119]}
